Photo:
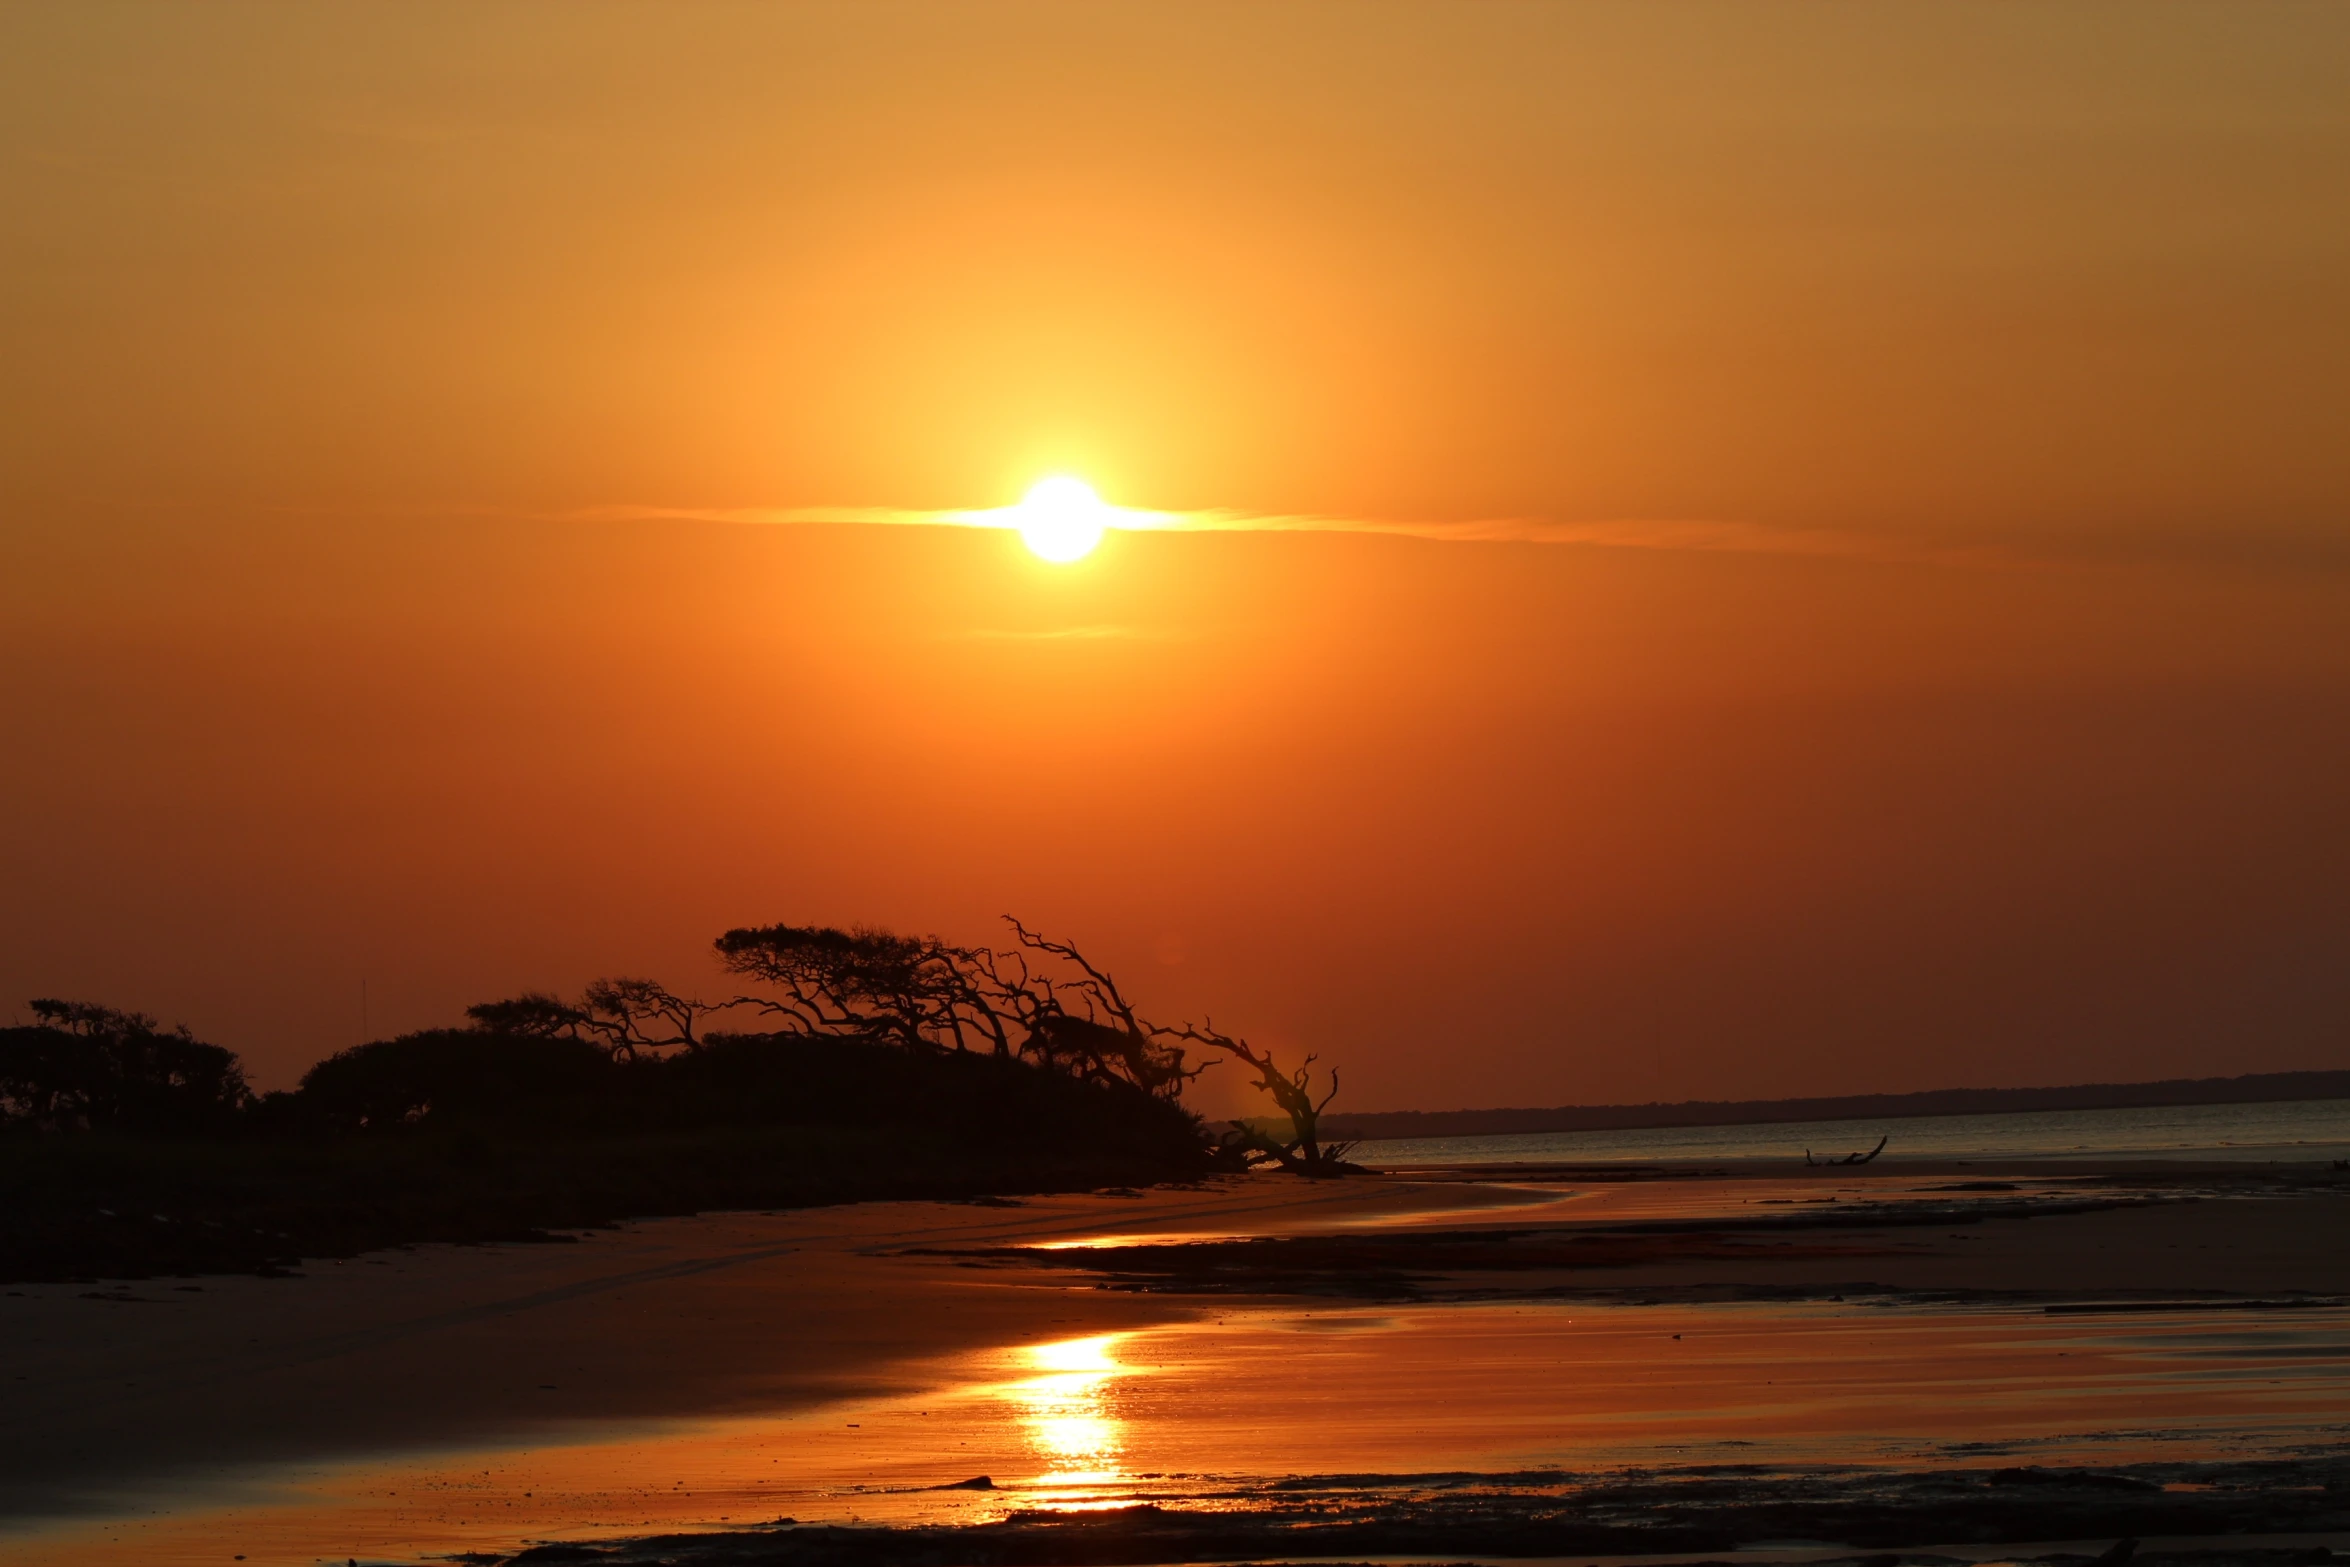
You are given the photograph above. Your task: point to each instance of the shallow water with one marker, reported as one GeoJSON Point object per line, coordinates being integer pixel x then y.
{"type": "Point", "coordinates": [2308, 1130]}
{"type": "Point", "coordinates": [1534, 1201]}
{"type": "Point", "coordinates": [1201, 1413]}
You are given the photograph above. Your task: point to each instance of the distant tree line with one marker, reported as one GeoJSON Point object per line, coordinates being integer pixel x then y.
{"type": "Point", "coordinates": [862, 1027]}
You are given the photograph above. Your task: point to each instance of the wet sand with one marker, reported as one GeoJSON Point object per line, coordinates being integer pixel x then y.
{"type": "Point", "coordinates": [736, 1367]}
{"type": "Point", "coordinates": [113, 1390]}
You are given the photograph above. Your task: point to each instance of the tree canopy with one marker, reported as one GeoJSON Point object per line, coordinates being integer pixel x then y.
{"type": "Point", "coordinates": [85, 1067]}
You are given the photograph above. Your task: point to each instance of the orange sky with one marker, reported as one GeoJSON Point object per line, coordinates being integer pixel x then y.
{"type": "Point", "coordinates": [1957, 692]}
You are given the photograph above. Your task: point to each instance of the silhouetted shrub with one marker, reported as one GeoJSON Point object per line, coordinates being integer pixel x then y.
{"type": "Point", "coordinates": [962, 1098]}
{"type": "Point", "coordinates": [478, 1134]}
{"type": "Point", "coordinates": [446, 1075]}
{"type": "Point", "coordinates": [555, 1085]}
{"type": "Point", "coordinates": [87, 1068]}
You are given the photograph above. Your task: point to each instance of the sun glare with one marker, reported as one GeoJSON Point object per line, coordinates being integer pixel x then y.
{"type": "Point", "coordinates": [1061, 519]}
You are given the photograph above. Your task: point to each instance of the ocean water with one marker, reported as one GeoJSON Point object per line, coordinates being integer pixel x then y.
{"type": "Point", "coordinates": [2303, 1131]}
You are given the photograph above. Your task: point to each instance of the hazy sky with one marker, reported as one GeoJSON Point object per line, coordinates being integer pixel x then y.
{"type": "Point", "coordinates": [1853, 588]}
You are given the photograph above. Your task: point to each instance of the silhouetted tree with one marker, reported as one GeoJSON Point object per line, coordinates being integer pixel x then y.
{"type": "Point", "coordinates": [639, 1014]}
{"type": "Point", "coordinates": [1041, 1000]}
{"type": "Point", "coordinates": [86, 1067]}
{"type": "Point", "coordinates": [1292, 1092]}
{"type": "Point", "coordinates": [1074, 1019]}
{"type": "Point", "coordinates": [913, 991]}
{"type": "Point", "coordinates": [532, 1015]}
{"type": "Point", "coordinates": [623, 1015]}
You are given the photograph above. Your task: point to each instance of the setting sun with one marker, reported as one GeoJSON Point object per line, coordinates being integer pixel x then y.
{"type": "Point", "coordinates": [1061, 518]}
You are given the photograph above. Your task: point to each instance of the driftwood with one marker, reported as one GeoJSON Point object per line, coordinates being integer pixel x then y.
{"type": "Point", "coordinates": [1850, 1158]}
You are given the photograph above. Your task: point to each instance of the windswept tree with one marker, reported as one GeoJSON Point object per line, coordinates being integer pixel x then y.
{"type": "Point", "coordinates": [639, 1014]}
{"type": "Point", "coordinates": [1041, 1000]}
{"type": "Point", "coordinates": [1103, 1028]}
{"type": "Point", "coordinates": [916, 992]}
{"type": "Point", "coordinates": [532, 1015]}
{"type": "Point", "coordinates": [625, 1016]}
{"type": "Point", "coordinates": [1292, 1092]}
{"type": "Point", "coordinates": [1073, 1018]}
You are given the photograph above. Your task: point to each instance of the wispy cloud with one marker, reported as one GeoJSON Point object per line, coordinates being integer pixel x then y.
{"type": "Point", "coordinates": [1994, 547]}
{"type": "Point", "coordinates": [1613, 533]}
{"type": "Point", "coordinates": [1627, 533]}
{"type": "Point", "coordinates": [876, 516]}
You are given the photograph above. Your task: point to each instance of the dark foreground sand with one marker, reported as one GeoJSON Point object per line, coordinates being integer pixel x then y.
{"type": "Point", "coordinates": [145, 1407]}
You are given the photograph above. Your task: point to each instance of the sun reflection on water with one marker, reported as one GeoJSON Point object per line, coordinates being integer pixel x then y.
{"type": "Point", "coordinates": [1068, 1414]}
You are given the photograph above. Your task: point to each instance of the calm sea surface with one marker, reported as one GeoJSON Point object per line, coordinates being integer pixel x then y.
{"type": "Point", "coordinates": [2311, 1129]}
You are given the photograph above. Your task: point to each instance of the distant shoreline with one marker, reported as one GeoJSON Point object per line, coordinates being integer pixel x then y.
{"type": "Point", "coordinates": [2252, 1088]}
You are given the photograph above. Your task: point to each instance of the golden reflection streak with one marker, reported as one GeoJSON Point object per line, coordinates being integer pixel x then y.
{"type": "Point", "coordinates": [1066, 1411]}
